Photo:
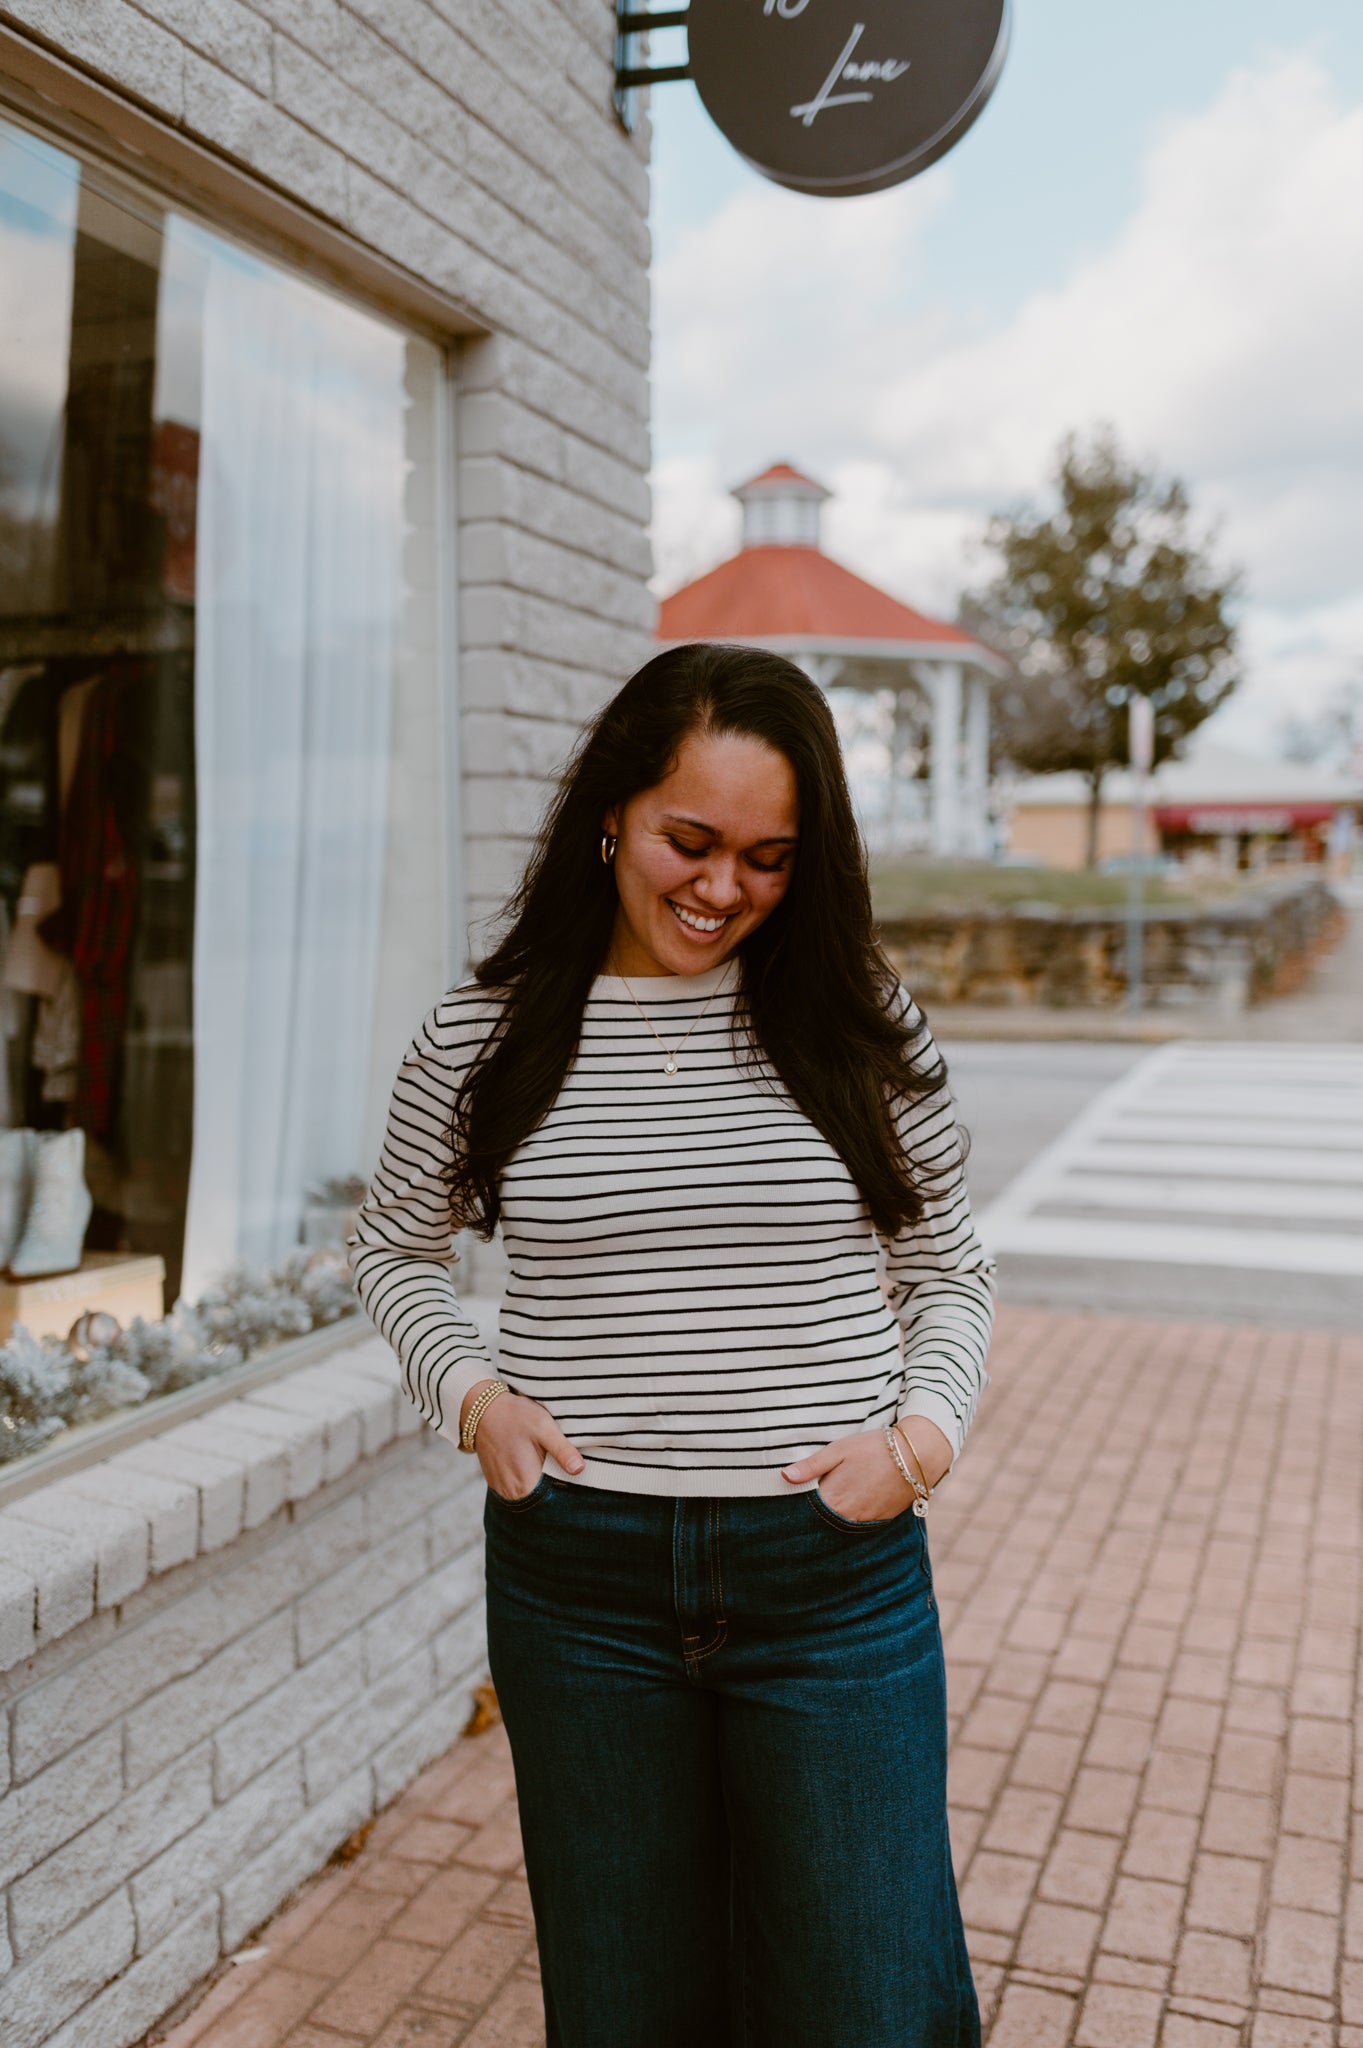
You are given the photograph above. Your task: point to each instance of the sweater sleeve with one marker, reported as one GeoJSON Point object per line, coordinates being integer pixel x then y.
{"type": "Point", "coordinates": [402, 1249]}
{"type": "Point", "coordinates": [940, 1280]}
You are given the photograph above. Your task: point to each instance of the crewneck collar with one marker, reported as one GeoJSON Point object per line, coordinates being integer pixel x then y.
{"type": "Point", "coordinates": [670, 987]}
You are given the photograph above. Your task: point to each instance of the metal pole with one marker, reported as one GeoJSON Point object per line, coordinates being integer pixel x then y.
{"type": "Point", "coordinates": [1140, 749]}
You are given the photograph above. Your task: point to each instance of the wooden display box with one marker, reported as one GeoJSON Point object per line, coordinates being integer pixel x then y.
{"type": "Point", "coordinates": [125, 1284]}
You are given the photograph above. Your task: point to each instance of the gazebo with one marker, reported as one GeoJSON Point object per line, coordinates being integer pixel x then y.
{"type": "Point", "coordinates": [783, 592]}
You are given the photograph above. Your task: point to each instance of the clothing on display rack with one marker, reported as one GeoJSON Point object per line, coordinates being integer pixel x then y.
{"type": "Point", "coordinates": [56, 1038]}
{"type": "Point", "coordinates": [32, 967]}
{"type": "Point", "coordinates": [93, 923]}
{"type": "Point", "coordinates": [11, 1021]}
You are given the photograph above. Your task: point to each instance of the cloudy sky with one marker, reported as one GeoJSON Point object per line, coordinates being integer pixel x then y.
{"type": "Point", "coordinates": [1158, 221]}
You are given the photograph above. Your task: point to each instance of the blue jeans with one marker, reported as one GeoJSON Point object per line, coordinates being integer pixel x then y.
{"type": "Point", "coordinates": [728, 1722]}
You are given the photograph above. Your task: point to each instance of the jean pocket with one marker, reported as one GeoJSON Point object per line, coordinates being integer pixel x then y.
{"type": "Point", "coordinates": [836, 1521]}
{"type": "Point", "coordinates": [518, 1505]}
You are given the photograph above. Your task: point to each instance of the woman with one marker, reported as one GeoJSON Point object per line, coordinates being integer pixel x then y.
{"type": "Point", "coordinates": [690, 1092]}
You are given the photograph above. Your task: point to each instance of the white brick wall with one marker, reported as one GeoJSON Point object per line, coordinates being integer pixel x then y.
{"type": "Point", "coordinates": [226, 1647]}
{"type": "Point", "coordinates": [177, 1759]}
{"type": "Point", "coordinates": [475, 147]}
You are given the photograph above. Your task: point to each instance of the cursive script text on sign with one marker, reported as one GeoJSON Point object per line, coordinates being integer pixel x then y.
{"type": "Point", "coordinates": [884, 69]}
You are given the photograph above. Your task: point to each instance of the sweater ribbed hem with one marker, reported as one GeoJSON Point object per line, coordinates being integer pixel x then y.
{"type": "Point", "coordinates": [762, 1482]}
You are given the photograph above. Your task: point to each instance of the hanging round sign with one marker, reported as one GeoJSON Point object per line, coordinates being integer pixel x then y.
{"type": "Point", "coordinates": [845, 96]}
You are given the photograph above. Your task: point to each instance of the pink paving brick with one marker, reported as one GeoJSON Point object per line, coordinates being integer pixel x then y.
{"type": "Point", "coordinates": [1160, 1844]}
{"type": "Point", "coordinates": [1309, 1873]}
{"type": "Point", "coordinates": [474, 1968]}
{"type": "Point", "coordinates": [1023, 1821]}
{"type": "Point", "coordinates": [1058, 1940]}
{"type": "Point", "coordinates": [1178, 1783]}
{"type": "Point", "coordinates": [1045, 1761]}
{"type": "Point", "coordinates": [997, 1891]}
{"type": "Point", "coordinates": [1080, 1868]}
{"type": "Point", "coordinates": [1102, 1800]}
{"type": "Point", "coordinates": [1185, 2030]}
{"type": "Point", "coordinates": [1032, 2018]}
{"type": "Point", "coordinates": [1120, 1742]}
{"type": "Point", "coordinates": [1225, 1894]}
{"type": "Point", "coordinates": [1152, 1660]}
{"type": "Point", "coordinates": [1117, 2016]}
{"type": "Point", "coordinates": [1214, 1966]}
{"type": "Point", "coordinates": [367, 1994]}
{"type": "Point", "coordinates": [1300, 1950]}
{"type": "Point", "coordinates": [513, 2020]}
{"type": "Point", "coordinates": [1323, 1747]}
{"type": "Point", "coordinates": [1238, 1824]}
{"type": "Point", "coordinates": [1316, 1806]}
{"type": "Point", "coordinates": [1143, 1919]}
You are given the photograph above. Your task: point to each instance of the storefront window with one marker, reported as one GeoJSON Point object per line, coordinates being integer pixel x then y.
{"type": "Point", "coordinates": [222, 803]}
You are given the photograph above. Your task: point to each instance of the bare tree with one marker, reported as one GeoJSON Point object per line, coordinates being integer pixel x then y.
{"type": "Point", "coordinates": [1110, 596]}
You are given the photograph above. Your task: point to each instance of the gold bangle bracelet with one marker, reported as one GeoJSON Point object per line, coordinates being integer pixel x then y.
{"type": "Point", "coordinates": [915, 1485]}
{"type": "Point", "coordinates": [914, 1455]}
{"type": "Point", "coordinates": [468, 1435]}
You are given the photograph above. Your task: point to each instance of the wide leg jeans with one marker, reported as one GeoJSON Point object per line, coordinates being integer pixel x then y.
{"type": "Point", "coordinates": [728, 1724]}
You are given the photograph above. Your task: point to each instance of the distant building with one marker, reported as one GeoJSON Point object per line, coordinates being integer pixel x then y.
{"type": "Point", "coordinates": [1233, 807]}
{"type": "Point", "coordinates": [782, 591]}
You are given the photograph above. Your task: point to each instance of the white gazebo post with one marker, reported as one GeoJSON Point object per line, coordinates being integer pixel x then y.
{"type": "Point", "coordinates": [900, 728]}
{"type": "Point", "coordinates": [975, 838]}
{"type": "Point", "coordinates": [944, 681]}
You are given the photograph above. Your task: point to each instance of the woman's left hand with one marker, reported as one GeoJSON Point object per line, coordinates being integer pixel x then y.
{"type": "Point", "coordinates": [860, 1480]}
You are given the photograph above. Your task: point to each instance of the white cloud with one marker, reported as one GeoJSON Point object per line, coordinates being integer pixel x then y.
{"type": "Point", "coordinates": [1220, 331]}
{"type": "Point", "coordinates": [35, 290]}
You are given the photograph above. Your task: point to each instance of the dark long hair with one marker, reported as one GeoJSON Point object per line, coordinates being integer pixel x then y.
{"type": "Point", "coordinates": [816, 994]}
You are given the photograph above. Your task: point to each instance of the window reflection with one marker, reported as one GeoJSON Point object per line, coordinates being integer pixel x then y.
{"type": "Point", "coordinates": [221, 802]}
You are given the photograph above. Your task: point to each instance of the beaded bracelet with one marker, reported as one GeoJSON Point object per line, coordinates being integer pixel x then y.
{"type": "Point", "coordinates": [918, 1486]}
{"type": "Point", "coordinates": [468, 1435]}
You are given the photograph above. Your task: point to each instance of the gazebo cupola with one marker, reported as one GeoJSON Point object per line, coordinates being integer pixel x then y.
{"type": "Point", "coordinates": [781, 508]}
{"type": "Point", "coordinates": [782, 591]}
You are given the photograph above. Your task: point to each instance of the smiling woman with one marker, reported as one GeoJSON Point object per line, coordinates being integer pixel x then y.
{"type": "Point", "coordinates": [704, 856]}
{"type": "Point", "coordinates": [690, 1090]}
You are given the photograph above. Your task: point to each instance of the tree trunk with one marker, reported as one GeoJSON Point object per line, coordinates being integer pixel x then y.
{"type": "Point", "coordinates": [1095, 782]}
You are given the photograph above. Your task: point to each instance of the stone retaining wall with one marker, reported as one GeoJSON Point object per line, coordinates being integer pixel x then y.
{"type": "Point", "coordinates": [1233, 953]}
{"type": "Point", "coordinates": [221, 1651]}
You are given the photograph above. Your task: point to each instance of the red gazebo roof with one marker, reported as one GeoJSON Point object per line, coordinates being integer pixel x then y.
{"type": "Point", "coordinates": [779, 475]}
{"type": "Point", "coordinates": [796, 593]}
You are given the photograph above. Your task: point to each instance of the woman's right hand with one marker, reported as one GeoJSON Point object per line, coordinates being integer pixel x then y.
{"type": "Point", "coordinates": [514, 1435]}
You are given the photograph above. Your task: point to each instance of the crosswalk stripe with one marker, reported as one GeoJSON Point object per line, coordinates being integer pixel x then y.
{"type": "Point", "coordinates": [1337, 1135]}
{"type": "Point", "coordinates": [1175, 1244]}
{"type": "Point", "coordinates": [1203, 1131]}
{"type": "Point", "coordinates": [1199, 1197]}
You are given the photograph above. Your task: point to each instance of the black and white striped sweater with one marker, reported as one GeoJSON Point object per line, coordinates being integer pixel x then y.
{"type": "Point", "coordinates": [693, 1288]}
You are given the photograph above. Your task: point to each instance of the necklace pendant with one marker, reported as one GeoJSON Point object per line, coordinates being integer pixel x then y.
{"type": "Point", "coordinates": [920, 1508]}
{"type": "Point", "coordinates": [669, 1065]}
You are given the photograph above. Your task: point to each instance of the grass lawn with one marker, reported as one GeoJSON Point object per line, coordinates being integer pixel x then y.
{"type": "Point", "coordinates": [910, 888]}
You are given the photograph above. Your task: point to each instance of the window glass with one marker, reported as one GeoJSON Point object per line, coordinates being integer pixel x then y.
{"type": "Point", "coordinates": [222, 807]}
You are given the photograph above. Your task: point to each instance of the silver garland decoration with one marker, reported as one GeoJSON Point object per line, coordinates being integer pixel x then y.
{"type": "Point", "coordinates": [48, 1384]}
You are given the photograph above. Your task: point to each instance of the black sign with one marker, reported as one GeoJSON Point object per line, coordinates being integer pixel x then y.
{"type": "Point", "coordinates": [845, 96]}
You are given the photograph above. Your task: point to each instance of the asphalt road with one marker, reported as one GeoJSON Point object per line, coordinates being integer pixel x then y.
{"type": "Point", "coordinates": [1016, 1098]}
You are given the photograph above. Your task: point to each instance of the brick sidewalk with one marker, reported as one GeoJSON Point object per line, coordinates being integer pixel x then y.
{"type": "Point", "coordinates": [1148, 1567]}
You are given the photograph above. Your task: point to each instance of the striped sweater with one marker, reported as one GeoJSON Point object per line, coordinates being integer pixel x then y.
{"type": "Point", "coordinates": [694, 1291]}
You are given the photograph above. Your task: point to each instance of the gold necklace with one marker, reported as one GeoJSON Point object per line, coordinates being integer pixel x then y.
{"type": "Point", "coordinates": [670, 1062]}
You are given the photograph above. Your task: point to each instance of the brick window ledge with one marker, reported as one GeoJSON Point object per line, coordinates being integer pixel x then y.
{"type": "Point", "coordinates": [87, 1523]}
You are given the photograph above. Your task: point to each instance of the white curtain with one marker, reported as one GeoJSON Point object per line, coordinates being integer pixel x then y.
{"type": "Point", "coordinates": [300, 537]}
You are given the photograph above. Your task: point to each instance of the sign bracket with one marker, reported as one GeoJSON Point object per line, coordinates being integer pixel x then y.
{"type": "Point", "coordinates": [632, 21]}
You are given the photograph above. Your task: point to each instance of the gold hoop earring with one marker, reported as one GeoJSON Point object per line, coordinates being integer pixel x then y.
{"type": "Point", "coordinates": [608, 845]}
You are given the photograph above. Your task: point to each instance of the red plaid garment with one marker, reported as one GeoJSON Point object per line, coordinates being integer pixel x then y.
{"type": "Point", "coordinates": [95, 921]}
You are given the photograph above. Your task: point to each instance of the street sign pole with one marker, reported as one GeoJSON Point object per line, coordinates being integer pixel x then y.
{"type": "Point", "coordinates": [1141, 750]}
